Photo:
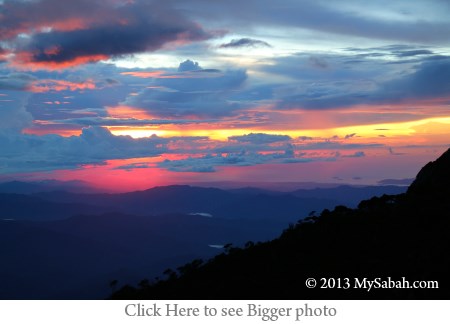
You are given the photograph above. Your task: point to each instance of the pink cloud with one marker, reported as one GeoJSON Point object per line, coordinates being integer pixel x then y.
{"type": "Point", "coordinates": [41, 86]}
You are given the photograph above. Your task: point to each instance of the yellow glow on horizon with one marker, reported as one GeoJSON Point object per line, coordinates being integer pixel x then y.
{"type": "Point", "coordinates": [429, 126]}
{"type": "Point", "coordinates": [395, 129]}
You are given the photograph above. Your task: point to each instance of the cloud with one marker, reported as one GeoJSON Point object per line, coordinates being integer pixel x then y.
{"type": "Point", "coordinates": [114, 121]}
{"type": "Point", "coordinates": [245, 42]}
{"type": "Point", "coordinates": [392, 152]}
{"type": "Point", "coordinates": [324, 144]}
{"type": "Point", "coordinates": [16, 81]}
{"type": "Point", "coordinates": [355, 155]}
{"type": "Point", "coordinates": [413, 53]}
{"type": "Point", "coordinates": [186, 70]}
{"type": "Point", "coordinates": [368, 82]}
{"type": "Point", "coordinates": [249, 153]}
{"type": "Point", "coordinates": [95, 145]}
{"type": "Point", "coordinates": [132, 166]}
{"type": "Point", "coordinates": [209, 162]}
{"type": "Point", "coordinates": [259, 138]}
{"type": "Point", "coordinates": [430, 79]}
{"type": "Point", "coordinates": [93, 33]}
{"type": "Point", "coordinates": [3, 55]}
{"type": "Point", "coordinates": [208, 94]}
{"type": "Point", "coordinates": [189, 65]}
{"type": "Point", "coordinates": [318, 62]}
{"type": "Point", "coordinates": [14, 117]}
{"type": "Point", "coordinates": [425, 23]}
{"type": "Point", "coordinates": [396, 182]}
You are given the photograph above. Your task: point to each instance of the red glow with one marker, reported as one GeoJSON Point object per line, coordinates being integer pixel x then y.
{"type": "Point", "coordinates": [121, 180]}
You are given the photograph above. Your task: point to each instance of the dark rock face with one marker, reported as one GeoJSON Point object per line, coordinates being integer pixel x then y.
{"type": "Point", "coordinates": [433, 178]}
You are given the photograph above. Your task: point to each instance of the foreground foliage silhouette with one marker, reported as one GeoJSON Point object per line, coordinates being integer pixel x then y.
{"type": "Point", "coordinates": [391, 236]}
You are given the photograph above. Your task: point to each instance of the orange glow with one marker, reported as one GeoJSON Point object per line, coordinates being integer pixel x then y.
{"type": "Point", "coordinates": [53, 130]}
{"type": "Point", "coordinates": [128, 112]}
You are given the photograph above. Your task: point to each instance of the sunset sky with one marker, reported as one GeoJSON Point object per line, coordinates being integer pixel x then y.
{"type": "Point", "coordinates": [130, 94]}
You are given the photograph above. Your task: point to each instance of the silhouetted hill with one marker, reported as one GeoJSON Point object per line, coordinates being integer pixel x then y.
{"type": "Point", "coordinates": [433, 178]}
{"type": "Point", "coordinates": [393, 236]}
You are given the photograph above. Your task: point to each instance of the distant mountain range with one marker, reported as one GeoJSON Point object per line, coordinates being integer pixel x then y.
{"type": "Point", "coordinates": [397, 242]}
{"type": "Point", "coordinates": [62, 244]}
{"type": "Point", "coordinates": [248, 203]}
{"type": "Point", "coordinates": [30, 187]}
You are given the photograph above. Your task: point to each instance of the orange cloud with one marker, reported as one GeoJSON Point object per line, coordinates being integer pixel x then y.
{"type": "Point", "coordinates": [43, 127]}
{"type": "Point", "coordinates": [41, 86]}
{"type": "Point", "coordinates": [25, 61]}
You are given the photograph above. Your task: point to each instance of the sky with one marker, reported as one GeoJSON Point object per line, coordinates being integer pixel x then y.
{"type": "Point", "coordinates": [131, 94]}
